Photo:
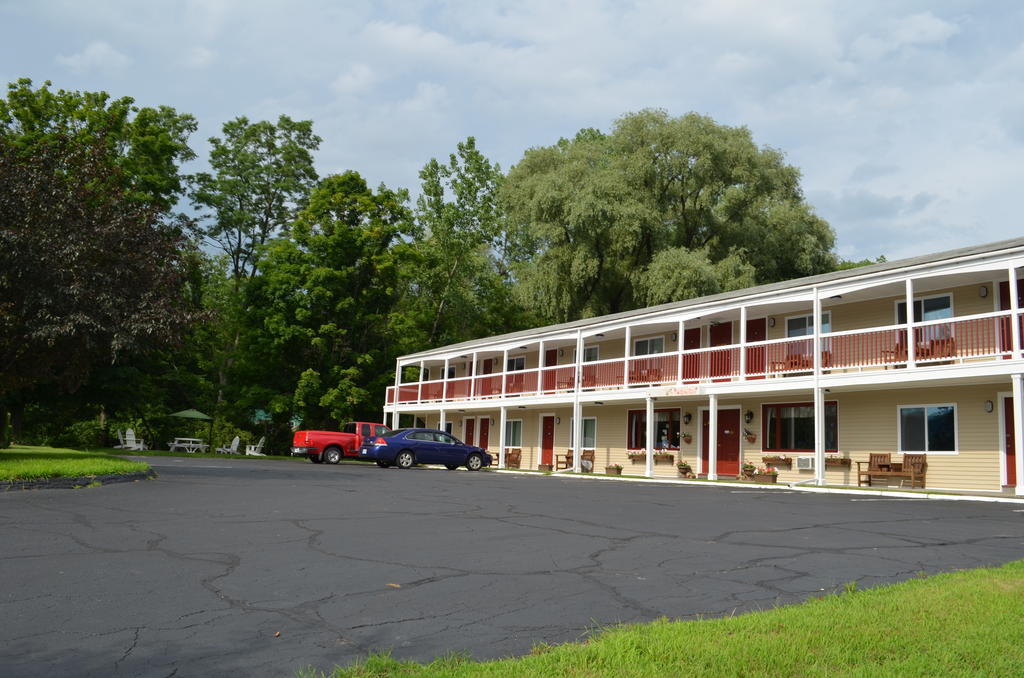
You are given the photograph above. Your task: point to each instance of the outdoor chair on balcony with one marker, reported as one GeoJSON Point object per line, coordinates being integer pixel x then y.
{"type": "Point", "coordinates": [877, 463]}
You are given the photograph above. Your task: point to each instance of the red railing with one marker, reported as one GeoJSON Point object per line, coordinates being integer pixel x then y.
{"type": "Point", "coordinates": [521, 382]}
{"type": "Point", "coordinates": [487, 386]}
{"type": "Point", "coordinates": [408, 393]}
{"type": "Point", "coordinates": [391, 395]}
{"type": "Point", "coordinates": [865, 349]}
{"type": "Point", "coordinates": [604, 374]}
{"type": "Point", "coordinates": [972, 338]}
{"type": "Point", "coordinates": [558, 379]}
{"type": "Point", "coordinates": [653, 370]}
{"type": "Point", "coordinates": [432, 390]}
{"type": "Point", "coordinates": [458, 389]}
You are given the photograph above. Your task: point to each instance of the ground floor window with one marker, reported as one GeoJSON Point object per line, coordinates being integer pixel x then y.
{"type": "Point", "coordinates": [666, 429]}
{"type": "Point", "coordinates": [589, 433]}
{"type": "Point", "coordinates": [928, 428]}
{"type": "Point", "coordinates": [789, 427]}
{"type": "Point", "coordinates": [514, 433]}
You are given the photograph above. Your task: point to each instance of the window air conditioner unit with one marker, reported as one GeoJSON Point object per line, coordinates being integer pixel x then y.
{"type": "Point", "coordinates": [805, 463]}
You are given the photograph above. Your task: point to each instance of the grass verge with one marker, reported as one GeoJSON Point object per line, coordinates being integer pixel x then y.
{"type": "Point", "coordinates": [201, 455]}
{"type": "Point", "coordinates": [24, 462]}
{"type": "Point", "coordinates": [960, 624]}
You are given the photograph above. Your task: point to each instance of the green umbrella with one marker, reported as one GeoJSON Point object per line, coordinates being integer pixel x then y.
{"type": "Point", "coordinates": [190, 414]}
{"type": "Point", "coordinates": [195, 414]}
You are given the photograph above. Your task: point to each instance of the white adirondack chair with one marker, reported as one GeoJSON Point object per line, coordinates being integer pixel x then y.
{"type": "Point", "coordinates": [256, 450]}
{"type": "Point", "coordinates": [120, 440]}
{"type": "Point", "coordinates": [230, 449]}
{"type": "Point", "coordinates": [131, 442]}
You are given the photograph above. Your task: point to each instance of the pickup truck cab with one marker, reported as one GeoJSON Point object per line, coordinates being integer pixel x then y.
{"type": "Point", "coordinates": [330, 446]}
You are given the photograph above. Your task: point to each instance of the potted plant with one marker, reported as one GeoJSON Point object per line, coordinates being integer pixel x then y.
{"type": "Point", "coordinates": [685, 470]}
{"type": "Point", "coordinates": [836, 460]}
{"type": "Point", "coordinates": [750, 435]}
{"type": "Point", "coordinates": [636, 455]}
{"type": "Point", "coordinates": [766, 474]}
{"type": "Point", "coordinates": [778, 460]}
{"type": "Point", "coordinates": [747, 470]}
{"type": "Point", "coordinates": [613, 470]}
{"type": "Point", "coordinates": [663, 457]}
{"type": "Point", "coordinates": [687, 438]}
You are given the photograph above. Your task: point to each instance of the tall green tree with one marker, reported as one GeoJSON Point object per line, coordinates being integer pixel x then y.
{"type": "Point", "coordinates": [657, 210]}
{"type": "Point", "coordinates": [320, 336]}
{"type": "Point", "coordinates": [466, 250]}
{"type": "Point", "coordinates": [148, 145]}
{"type": "Point", "coordinates": [261, 175]}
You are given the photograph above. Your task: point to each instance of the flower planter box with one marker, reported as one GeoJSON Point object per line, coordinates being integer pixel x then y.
{"type": "Point", "coordinates": [613, 470]}
{"type": "Point", "coordinates": [637, 458]}
{"type": "Point", "coordinates": [546, 467]}
{"type": "Point", "coordinates": [764, 477]}
{"type": "Point", "coordinates": [778, 461]}
{"type": "Point", "coordinates": [837, 462]}
{"type": "Point", "coordinates": [664, 458]}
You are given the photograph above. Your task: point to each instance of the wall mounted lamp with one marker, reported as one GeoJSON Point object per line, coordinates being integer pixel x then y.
{"type": "Point", "coordinates": [748, 416]}
{"type": "Point", "coordinates": [989, 406]}
{"type": "Point", "coordinates": [675, 335]}
{"type": "Point", "coordinates": [687, 418]}
{"type": "Point", "coordinates": [983, 291]}
{"type": "Point", "coordinates": [771, 322]}
{"type": "Point", "coordinates": [558, 420]}
{"type": "Point", "coordinates": [561, 352]}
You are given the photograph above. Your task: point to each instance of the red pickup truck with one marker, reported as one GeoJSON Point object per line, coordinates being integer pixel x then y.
{"type": "Point", "coordinates": [331, 446]}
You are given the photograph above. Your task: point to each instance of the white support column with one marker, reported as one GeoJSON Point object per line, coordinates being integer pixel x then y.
{"type": "Point", "coordinates": [816, 335]}
{"type": "Point", "coordinates": [577, 422]}
{"type": "Point", "coordinates": [1018, 428]}
{"type": "Point", "coordinates": [679, 347]}
{"type": "Point", "coordinates": [444, 386]}
{"type": "Point", "coordinates": [712, 469]}
{"type": "Point", "coordinates": [627, 352]}
{"type": "Point", "coordinates": [443, 419]}
{"type": "Point", "coordinates": [501, 432]}
{"type": "Point", "coordinates": [1014, 321]}
{"type": "Point", "coordinates": [504, 373]}
{"type": "Point", "coordinates": [419, 389]}
{"type": "Point", "coordinates": [819, 436]}
{"type": "Point", "coordinates": [743, 343]}
{"type": "Point", "coordinates": [398, 385]}
{"type": "Point", "coordinates": [911, 343]}
{"type": "Point", "coordinates": [649, 470]}
{"type": "Point", "coordinates": [540, 368]}
{"type": "Point", "coordinates": [472, 378]}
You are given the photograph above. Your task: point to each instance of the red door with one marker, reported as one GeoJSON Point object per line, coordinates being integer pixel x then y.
{"type": "Point", "coordinates": [470, 431]}
{"type": "Point", "coordinates": [728, 441]}
{"type": "Point", "coordinates": [691, 363]}
{"type": "Point", "coordinates": [757, 330]}
{"type": "Point", "coordinates": [1011, 458]}
{"type": "Point", "coordinates": [485, 431]}
{"type": "Point", "coordinates": [721, 361]}
{"type": "Point", "coordinates": [547, 443]}
{"type": "Point", "coordinates": [548, 376]}
{"type": "Point", "coordinates": [1006, 338]}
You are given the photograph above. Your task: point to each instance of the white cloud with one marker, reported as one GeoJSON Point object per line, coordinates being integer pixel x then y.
{"type": "Point", "coordinates": [199, 57]}
{"type": "Point", "coordinates": [356, 79]}
{"type": "Point", "coordinates": [97, 56]}
{"type": "Point", "coordinates": [910, 31]}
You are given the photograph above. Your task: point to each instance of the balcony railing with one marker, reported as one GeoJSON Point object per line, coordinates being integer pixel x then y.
{"type": "Point", "coordinates": [981, 337]}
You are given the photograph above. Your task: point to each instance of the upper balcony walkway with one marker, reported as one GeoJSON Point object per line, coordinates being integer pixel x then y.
{"type": "Point", "coordinates": [976, 338]}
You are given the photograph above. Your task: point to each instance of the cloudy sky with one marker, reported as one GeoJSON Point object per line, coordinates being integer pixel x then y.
{"type": "Point", "coordinates": [906, 117]}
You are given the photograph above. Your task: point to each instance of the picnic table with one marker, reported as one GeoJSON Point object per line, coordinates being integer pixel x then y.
{"type": "Point", "coordinates": [187, 445]}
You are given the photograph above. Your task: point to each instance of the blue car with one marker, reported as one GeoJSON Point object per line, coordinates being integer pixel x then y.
{"type": "Point", "coordinates": [406, 447]}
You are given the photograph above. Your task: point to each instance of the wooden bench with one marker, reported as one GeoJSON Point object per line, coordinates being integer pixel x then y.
{"type": "Point", "coordinates": [913, 468]}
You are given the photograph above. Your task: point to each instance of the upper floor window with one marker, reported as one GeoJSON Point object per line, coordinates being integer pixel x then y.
{"type": "Point", "coordinates": [451, 371]}
{"type": "Point", "coordinates": [517, 363]}
{"type": "Point", "coordinates": [590, 354]}
{"type": "Point", "coordinates": [649, 346]}
{"type": "Point", "coordinates": [803, 325]}
{"type": "Point", "coordinates": [926, 308]}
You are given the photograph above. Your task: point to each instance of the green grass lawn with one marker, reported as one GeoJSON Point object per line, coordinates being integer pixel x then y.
{"type": "Point", "coordinates": [24, 462]}
{"type": "Point", "coordinates": [968, 623]}
{"type": "Point", "coordinates": [204, 455]}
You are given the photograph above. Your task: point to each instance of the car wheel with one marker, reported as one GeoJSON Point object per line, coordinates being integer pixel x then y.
{"type": "Point", "coordinates": [405, 459]}
{"type": "Point", "coordinates": [382, 463]}
{"type": "Point", "coordinates": [451, 467]}
{"type": "Point", "coordinates": [332, 455]}
{"type": "Point", "coordinates": [474, 462]}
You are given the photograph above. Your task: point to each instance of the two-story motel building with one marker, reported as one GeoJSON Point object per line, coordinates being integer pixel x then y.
{"type": "Point", "coordinates": [823, 370]}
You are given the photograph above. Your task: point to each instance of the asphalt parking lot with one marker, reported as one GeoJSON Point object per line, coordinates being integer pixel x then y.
{"type": "Point", "coordinates": [197, 572]}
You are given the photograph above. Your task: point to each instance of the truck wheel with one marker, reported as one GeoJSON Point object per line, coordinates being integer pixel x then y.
{"type": "Point", "coordinates": [332, 455]}
{"type": "Point", "coordinates": [405, 459]}
{"type": "Point", "coordinates": [315, 458]}
{"type": "Point", "coordinates": [474, 462]}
